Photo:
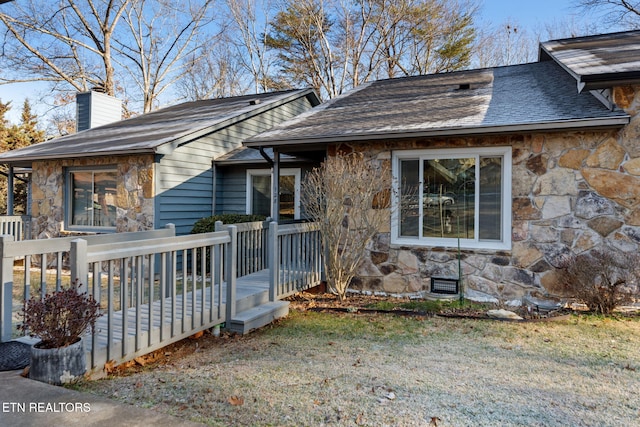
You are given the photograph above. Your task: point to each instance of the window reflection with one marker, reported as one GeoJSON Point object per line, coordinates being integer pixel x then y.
{"type": "Point", "coordinates": [93, 198]}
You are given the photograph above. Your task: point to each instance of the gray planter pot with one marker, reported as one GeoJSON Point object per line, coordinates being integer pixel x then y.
{"type": "Point", "coordinates": [58, 365]}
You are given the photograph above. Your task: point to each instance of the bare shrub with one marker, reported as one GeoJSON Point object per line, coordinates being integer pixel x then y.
{"type": "Point", "coordinates": [602, 279]}
{"type": "Point", "coordinates": [349, 197]}
{"type": "Point", "coordinates": [60, 318]}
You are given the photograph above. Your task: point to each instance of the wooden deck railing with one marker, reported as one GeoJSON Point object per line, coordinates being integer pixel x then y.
{"type": "Point", "coordinates": [144, 284]}
{"type": "Point", "coordinates": [295, 261]}
{"type": "Point", "coordinates": [49, 260]}
{"type": "Point", "coordinates": [159, 288]}
{"type": "Point", "coordinates": [252, 247]}
{"type": "Point", "coordinates": [18, 226]}
{"type": "Point", "coordinates": [292, 252]}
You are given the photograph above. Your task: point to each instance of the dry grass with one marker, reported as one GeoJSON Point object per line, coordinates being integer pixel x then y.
{"type": "Point", "coordinates": [375, 370]}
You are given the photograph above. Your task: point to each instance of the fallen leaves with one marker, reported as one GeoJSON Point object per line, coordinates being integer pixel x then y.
{"type": "Point", "coordinates": [236, 400]}
{"type": "Point", "coordinates": [197, 335]}
{"type": "Point", "coordinates": [109, 367]}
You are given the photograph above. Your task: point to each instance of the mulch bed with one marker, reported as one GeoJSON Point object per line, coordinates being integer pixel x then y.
{"type": "Point", "coordinates": [361, 304]}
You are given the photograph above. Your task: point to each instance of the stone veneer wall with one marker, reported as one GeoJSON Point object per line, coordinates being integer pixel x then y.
{"type": "Point", "coordinates": [135, 193]}
{"type": "Point", "coordinates": [572, 192]}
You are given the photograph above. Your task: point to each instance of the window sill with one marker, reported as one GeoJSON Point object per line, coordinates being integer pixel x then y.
{"type": "Point", "coordinates": [451, 244]}
{"type": "Point", "coordinates": [91, 232]}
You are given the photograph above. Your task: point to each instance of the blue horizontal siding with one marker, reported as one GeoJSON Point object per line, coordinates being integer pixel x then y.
{"type": "Point", "coordinates": [184, 185]}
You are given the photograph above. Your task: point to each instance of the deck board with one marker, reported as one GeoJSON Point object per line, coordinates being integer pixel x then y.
{"type": "Point", "coordinates": [247, 287]}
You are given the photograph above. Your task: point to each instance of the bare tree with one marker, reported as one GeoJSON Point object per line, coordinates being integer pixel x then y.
{"type": "Point", "coordinates": [349, 197]}
{"type": "Point", "coordinates": [104, 43]}
{"type": "Point", "coordinates": [62, 118]}
{"type": "Point", "coordinates": [215, 74]}
{"type": "Point", "coordinates": [68, 41]}
{"type": "Point", "coordinates": [359, 42]}
{"type": "Point", "coordinates": [508, 44]}
{"type": "Point", "coordinates": [163, 34]}
{"type": "Point", "coordinates": [250, 21]}
{"type": "Point", "coordinates": [624, 13]}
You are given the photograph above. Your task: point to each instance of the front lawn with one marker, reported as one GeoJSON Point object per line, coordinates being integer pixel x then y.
{"type": "Point", "coordinates": [316, 368]}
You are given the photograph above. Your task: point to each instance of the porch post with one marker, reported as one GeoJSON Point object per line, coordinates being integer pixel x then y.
{"type": "Point", "coordinates": [275, 192]}
{"type": "Point", "coordinates": [78, 261]}
{"type": "Point", "coordinates": [230, 266]}
{"type": "Point", "coordinates": [213, 187]}
{"type": "Point", "coordinates": [10, 191]}
{"type": "Point", "coordinates": [6, 290]}
{"type": "Point", "coordinates": [274, 261]}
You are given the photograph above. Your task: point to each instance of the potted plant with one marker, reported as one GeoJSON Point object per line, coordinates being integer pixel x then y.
{"type": "Point", "coordinates": [60, 319]}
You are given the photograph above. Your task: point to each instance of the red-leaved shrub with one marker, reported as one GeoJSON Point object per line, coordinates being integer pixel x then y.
{"type": "Point", "coordinates": [60, 318]}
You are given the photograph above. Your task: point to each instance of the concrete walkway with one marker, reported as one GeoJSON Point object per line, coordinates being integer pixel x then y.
{"type": "Point", "coordinates": [29, 403]}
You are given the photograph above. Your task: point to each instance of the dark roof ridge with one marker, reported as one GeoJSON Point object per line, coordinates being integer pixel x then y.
{"type": "Point", "coordinates": [452, 73]}
{"type": "Point", "coordinates": [592, 36]}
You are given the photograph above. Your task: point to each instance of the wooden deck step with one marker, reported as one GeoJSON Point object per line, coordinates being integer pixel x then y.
{"type": "Point", "coordinates": [258, 317]}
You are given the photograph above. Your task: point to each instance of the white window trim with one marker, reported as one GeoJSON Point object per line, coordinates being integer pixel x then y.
{"type": "Point", "coordinates": [295, 172]}
{"type": "Point", "coordinates": [504, 152]}
{"type": "Point", "coordinates": [68, 188]}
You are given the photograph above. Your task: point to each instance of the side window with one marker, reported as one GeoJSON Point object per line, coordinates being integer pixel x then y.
{"type": "Point", "coordinates": [92, 198]}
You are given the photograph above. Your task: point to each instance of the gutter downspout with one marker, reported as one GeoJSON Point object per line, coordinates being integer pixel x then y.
{"type": "Point", "coordinates": [265, 156]}
{"type": "Point", "coordinates": [10, 190]}
{"type": "Point", "coordinates": [213, 187]}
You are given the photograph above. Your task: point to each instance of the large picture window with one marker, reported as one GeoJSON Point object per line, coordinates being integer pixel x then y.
{"type": "Point", "coordinates": [259, 193]}
{"type": "Point", "coordinates": [443, 196]}
{"type": "Point", "coordinates": [92, 198]}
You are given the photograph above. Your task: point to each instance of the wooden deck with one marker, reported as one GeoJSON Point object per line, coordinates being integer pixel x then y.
{"type": "Point", "coordinates": [146, 283]}
{"type": "Point", "coordinates": [192, 314]}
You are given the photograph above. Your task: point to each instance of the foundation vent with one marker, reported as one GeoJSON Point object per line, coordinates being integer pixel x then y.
{"type": "Point", "coordinates": [444, 286]}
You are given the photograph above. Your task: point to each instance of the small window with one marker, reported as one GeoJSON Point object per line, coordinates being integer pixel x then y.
{"type": "Point", "coordinates": [91, 198]}
{"type": "Point", "coordinates": [259, 193]}
{"type": "Point", "coordinates": [446, 196]}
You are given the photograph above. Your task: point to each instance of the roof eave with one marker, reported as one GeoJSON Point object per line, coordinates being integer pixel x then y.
{"type": "Point", "coordinates": [35, 158]}
{"type": "Point", "coordinates": [592, 81]}
{"type": "Point", "coordinates": [252, 162]}
{"type": "Point", "coordinates": [604, 81]}
{"type": "Point", "coordinates": [574, 124]}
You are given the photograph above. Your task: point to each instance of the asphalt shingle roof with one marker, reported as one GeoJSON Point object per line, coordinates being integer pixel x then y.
{"type": "Point", "coordinates": [155, 131]}
{"type": "Point", "coordinates": [249, 155]}
{"type": "Point", "coordinates": [528, 97]}
{"type": "Point", "coordinates": [596, 61]}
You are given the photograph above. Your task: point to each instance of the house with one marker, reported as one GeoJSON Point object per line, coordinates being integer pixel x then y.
{"type": "Point", "coordinates": [147, 171]}
{"type": "Point", "coordinates": [519, 166]}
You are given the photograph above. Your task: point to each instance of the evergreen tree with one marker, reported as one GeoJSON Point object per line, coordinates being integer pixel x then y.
{"type": "Point", "coordinates": [13, 137]}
